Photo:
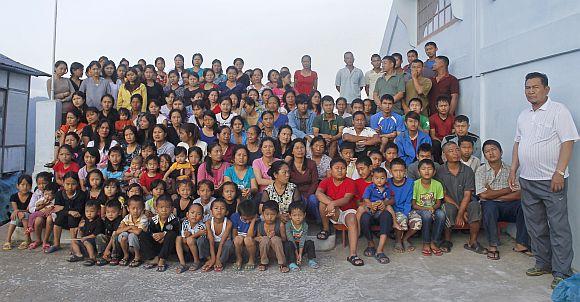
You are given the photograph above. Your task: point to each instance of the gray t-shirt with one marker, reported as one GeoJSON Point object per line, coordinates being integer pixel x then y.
{"type": "Point", "coordinates": [94, 92]}
{"type": "Point", "coordinates": [455, 186]}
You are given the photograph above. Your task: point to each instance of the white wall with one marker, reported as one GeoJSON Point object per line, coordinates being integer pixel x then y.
{"type": "Point", "coordinates": [491, 55]}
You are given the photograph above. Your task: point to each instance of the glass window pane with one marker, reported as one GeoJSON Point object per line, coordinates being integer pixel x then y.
{"type": "Point", "coordinates": [16, 113]}
{"type": "Point", "coordinates": [19, 81]}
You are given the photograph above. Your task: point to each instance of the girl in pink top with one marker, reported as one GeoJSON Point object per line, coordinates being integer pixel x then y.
{"type": "Point", "coordinates": [262, 164]}
{"type": "Point", "coordinates": [213, 168]}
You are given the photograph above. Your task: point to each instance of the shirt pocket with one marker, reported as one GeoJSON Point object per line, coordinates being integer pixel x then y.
{"type": "Point", "coordinates": [544, 130]}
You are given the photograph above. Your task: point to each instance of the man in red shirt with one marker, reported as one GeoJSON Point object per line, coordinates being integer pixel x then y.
{"type": "Point", "coordinates": [441, 125]}
{"type": "Point", "coordinates": [443, 84]}
{"type": "Point", "coordinates": [337, 205]}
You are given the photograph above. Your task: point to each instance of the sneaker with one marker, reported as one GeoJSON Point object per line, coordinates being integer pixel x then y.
{"type": "Point", "coordinates": [534, 272]}
{"type": "Point", "coordinates": [556, 281]}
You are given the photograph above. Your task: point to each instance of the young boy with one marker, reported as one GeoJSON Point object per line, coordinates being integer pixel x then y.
{"type": "Point", "coordinates": [377, 207]}
{"type": "Point", "coordinates": [409, 141]}
{"type": "Point", "coordinates": [328, 125]}
{"type": "Point", "coordinates": [364, 169]}
{"type": "Point", "coordinates": [391, 152]}
{"type": "Point", "coordinates": [243, 231]}
{"type": "Point", "coordinates": [205, 191]}
{"type": "Point", "coordinates": [347, 154]}
{"type": "Point", "coordinates": [159, 240]}
{"type": "Point", "coordinates": [89, 228]}
{"type": "Point", "coordinates": [415, 105]}
{"type": "Point", "coordinates": [131, 227]}
{"type": "Point", "coordinates": [409, 222]}
{"type": "Point", "coordinates": [441, 124]}
{"type": "Point", "coordinates": [296, 232]}
{"type": "Point", "coordinates": [106, 244]}
{"type": "Point", "coordinates": [424, 152]}
{"type": "Point", "coordinates": [387, 123]}
{"type": "Point", "coordinates": [461, 129]}
{"type": "Point", "coordinates": [377, 158]}
{"type": "Point", "coordinates": [466, 148]}
{"type": "Point", "coordinates": [335, 194]}
{"type": "Point", "coordinates": [193, 231]}
{"type": "Point", "coordinates": [427, 197]}
{"type": "Point", "coordinates": [220, 246]}
{"type": "Point", "coordinates": [270, 235]}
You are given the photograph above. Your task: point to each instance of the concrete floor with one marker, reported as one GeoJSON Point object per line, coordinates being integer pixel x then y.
{"type": "Point", "coordinates": [458, 276]}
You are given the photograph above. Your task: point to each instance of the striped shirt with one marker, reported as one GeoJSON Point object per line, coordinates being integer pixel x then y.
{"type": "Point", "coordinates": [540, 134]}
{"type": "Point", "coordinates": [485, 176]}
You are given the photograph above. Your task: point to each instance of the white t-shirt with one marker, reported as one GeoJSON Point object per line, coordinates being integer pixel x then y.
{"type": "Point", "coordinates": [225, 122]}
{"type": "Point", "coordinates": [366, 132]}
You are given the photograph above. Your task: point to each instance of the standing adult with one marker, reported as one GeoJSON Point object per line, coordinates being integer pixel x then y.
{"type": "Point", "coordinates": [390, 83]}
{"type": "Point", "coordinates": [305, 80]}
{"type": "Point", "coordinates": [95, 86]}
{"type": "Point", "coordinates": [349, 80]}
{"type": "Point", "coordinates": [418, 86]}
{"type": "Point", "coordinates": [443, 84]}
{"type": "Point", "coordinates": [373, 75]}
{"type": "Point", "coordinates": [109, 73]}
{"type": "Point", "coordinates": [76, 73]}
{"type": "Point", "coordinates": [63, 88]}
{"type": "Point", "coordinates": [154, 89]}
{"type": "Point", "coordinates": [544, 140]}
{"type": "Point", "coordinates": [431, 52]}
{"type": "Point", "coordinates": [132, 87]}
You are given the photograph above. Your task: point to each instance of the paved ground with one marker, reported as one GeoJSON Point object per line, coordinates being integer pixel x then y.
{"type": "Point", "coordinates": [458, 276]}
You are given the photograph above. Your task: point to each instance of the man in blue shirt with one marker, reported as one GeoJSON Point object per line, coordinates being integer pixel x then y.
{"type": "Point", "coordinates": [388, 124]}
{"type": "Point", "coordinates": [301, 119]}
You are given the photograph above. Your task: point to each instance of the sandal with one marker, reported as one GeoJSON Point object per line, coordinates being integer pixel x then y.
{"type": "Point", "coordinates": [135, 263]}
{"type": "Point", "coordinates": [446, 246]}
{"type": "Point", "coordinates": [382, 258]}
{"type": "Point", "coordinates": [122, 262]}
{"type": "Point", "coordinates": [493, 255]}
{"type": "Point", "coordinates": [182, 269]}
{"type": "Point", "coordinates": [437, 252]}
{"type": "Point", "coordinates": [409, 246]}
{"type": "Point", "coordinates": [7, 246]}
{"type": "Point", "coordinates": [426, 252]}
{"type": "Point", "coordinates": [249, 267]}
{"type": "Point", "coordinates": [150, 266]}
{"type": "Point", "coordinates": [114, 262]}
{"type": "Point", "coordinates": [284, 268]}
{"type": "Point", "coordinates": [313, 264]}
{"type": "Point", "coordinates": [524, 252]}
{"type": "Point", "coordinates": [45, 247]}
{"type": "Point", "coordinates": [101, 262]}
{"type": "Point", "coordinates": [90, 262]}
{"type": "Point", "coordinates": [162, 268]}
{"type": "Point", "coordinates": [323, 235]}
{"type": "Point", "coordinates": [399, 248]}
{"type": "Point", "coordinates": [23, 245]}
{"type": "Point", "coordinates": [294, 267]}
{"type": "Point", "coordinates": [218, 269]}
{"type": "Point", "coordinates": [75, 258]}
{"type": "Point", "coordinates": [195, 266]}
{"type": "Point", "coordinates": [34, 245]}
{"type": "Point", "coordinates": [476, 249]}
{"type": "Point", "coordinates": [206, 269]}
{"type": "Point", "coordinates": [355, 260]}
{"type": "Point", "coordinates": [262, 267]}
{"type": "Point", "coordinates": [52, 249]}
{"type": "Point", "coordinates": [237, 267]}
{"type": "Point", "coordinates": [370, 251]}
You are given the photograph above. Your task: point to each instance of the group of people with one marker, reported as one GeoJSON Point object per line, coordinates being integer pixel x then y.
{"type": "Point", "coordinates": [223, 168]}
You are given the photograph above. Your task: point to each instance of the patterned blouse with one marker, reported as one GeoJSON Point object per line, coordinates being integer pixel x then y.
{"type": "Point", "coordinates": [283, 200]}
{"type": "Point", "coordinates": [323, 167]}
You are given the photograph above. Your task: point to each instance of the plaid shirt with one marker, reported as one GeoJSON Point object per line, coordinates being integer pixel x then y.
{"type": "Point", "coordinates": [485, 176]}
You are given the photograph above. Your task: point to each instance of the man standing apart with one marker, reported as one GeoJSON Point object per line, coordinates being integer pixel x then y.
{"type": "Point", "coordinates": [349, 80]}
{"type": "Point", "coordinates": [544, 140]}
{"type": "Point", "coordinates": [431, 52]}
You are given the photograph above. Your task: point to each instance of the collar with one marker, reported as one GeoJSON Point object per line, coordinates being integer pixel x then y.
{"type": "Point", "coordinates": [461, 166]}
{"type": "Point", "coordinates": [169, 219]}
{"type": "Point", "coordinates": [331, 119]}
{"type": "Point", "coordinates": [544, 107]}
{"type": "Point", "coordinates": [489, 168]}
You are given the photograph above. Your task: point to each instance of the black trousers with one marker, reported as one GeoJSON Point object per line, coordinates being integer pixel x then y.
{"type": "Point", "coordinates": [290, 250]}
{"type": "Point", "coordinates": [151, 248]}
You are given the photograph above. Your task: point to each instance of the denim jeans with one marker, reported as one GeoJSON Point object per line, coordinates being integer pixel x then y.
{"type": "Point", "coordinates": [433, 224]}
{"type": "Point", "coordinates": [384, 219]}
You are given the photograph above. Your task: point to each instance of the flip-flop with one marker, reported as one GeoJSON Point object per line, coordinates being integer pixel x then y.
{"type": "Point", "coordinates": [52, 249]}
{"type": "Point", "coordinates": [382, 258]}
{"type": "Point", "coordinates": [122, 262]}
{"type": "Point", "coordinates": [355, 260]}
{"type": "Point", "coordinates": [34, 245]}
{"type": "Point", "coordinates": [493, 255]}
{"type": "Point", "coordinates": [409, 246]}
{"type": "Point", "coordinates": [23, 245]}
{"type": "Point", "coordinates": [476, 249]}
{"type": "Point", "coordinates": [524, 252]}
{"type": "Point", "coordinates": [182, 268]}
{"type": "Point", "coordinates": [75, 258]}
{"type": "Point", "coordinates": [446, 246]}
{"type": "Point", "coordinates": [426, 252]}
{"type": "Point", "coordinates": [162, 268]}
{"type": "Point", "coordinates": [89, 262]}
{"type": "Point", "coordinates": [370, 251]}
{"type": "Point", "coordinates": [101, 262]}
{"type": "Point", "coordinates": [150, 266]}
{"type": "Point", "coordinates": [283, 268]}
{"type": "Point", "coordinates": [436, 252]}
{"type": "Point", "coordinates": [135, 263]}
{"type": "Point", "coordinates": [313, 264]}
{"type": "Point", "coordinates": [195, 266]}
{"type": "Point", "coordinates": [237, 267]}
{"type": "Point", "coordinates": [262, 267]}
{"type": "Point", "coordinates": [323, 235]}
{"type": "Point", "coordinates": [249, 267]}
{"type": "Point", "coordinates": [399, 248]}
{"type": "Point", "coordinates": [294, 267]}
{"type": "Point", "coordinates": [218, 269]}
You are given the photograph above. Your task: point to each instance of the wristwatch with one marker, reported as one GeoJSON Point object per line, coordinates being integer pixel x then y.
{"type": "Point", "coordinates": [560, 172]}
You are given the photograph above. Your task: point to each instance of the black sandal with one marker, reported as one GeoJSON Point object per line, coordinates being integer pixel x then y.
{"type": "Point", "coordinates": [182, 268]}
{"type": "Point", "coordinates": [446, 246]}
{"type": "Point", "coordinates": [493, 255]}
{"type": "Point", "coordinates": [476, 249]}
{"type": "Point", "coordinates": [355, 260]}
{"type": "Point", "coordinates": [370, 251]}
{"type": "Point", "coordinates": [75, 258]}
{"type": "Point", "coordinates": [135, 263]}
{"type": "Point", "coordinates": [323, 235]}
{"type": "Point", "coordinates": [382, 258]}
{"type": "Point", "coordinates": [90, 262]}
{"type": "Point", "coordinates": [162, 268]}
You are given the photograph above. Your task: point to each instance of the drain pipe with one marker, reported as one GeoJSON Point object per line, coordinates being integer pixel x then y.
{"type": "Point", "coordinates": [477, 78]}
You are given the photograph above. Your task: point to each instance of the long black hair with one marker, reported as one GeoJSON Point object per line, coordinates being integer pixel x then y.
{"type": "Point", "coordinates": [97, 137]}
{"type": "Point", "coordinates": [208, 160]}
{"type": "Point", "coordinates": [292, 144]}
{"type": "Point", "coordinates": [114, 75]}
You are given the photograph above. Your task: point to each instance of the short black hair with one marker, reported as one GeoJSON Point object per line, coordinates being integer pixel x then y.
{"type": "Point", "coordinates": [387, 97]}
{"type": "Point", "coordinates": [413, 51]}
{"type": "Point", "coordinates": [247, 208]}
{"type": "Point", "coordinates": [348, 145]}
{"type": "Point", "coordinates": [51, 187]}
{"type": "Point", "coordinates": [270, 205]}
{"type": "Point", "coordinates": [379, 170]}
{"type": "Point", "coordinates": [398, 161]}
{"type": "Point", "coordinates": [444, 59]}
{"type": "Point", "coordinates": [391, 145]}
{"type": "Point", "coordinates": [491, 142]}
{"type": "Point", "coordinates": [418, 61]}
{"type": "Point", "coordinates": [337, 160]}
{"type": "Point", "coordinates": [136, 198]}
{"type": "Point", "coordinates": [431, 43]}
{"type": "Point", "coordinates": [390, 58]}
{"type": "Point", "coordinates": [91, 203]}
{"type": "Point", "coordinates": [297, 205]}
{"type": "Point", "coordinates": [365, 160]}
{"type": "Point", "coordinates": [412, 115]}
{"type": "Point", "coordinates": [375, 55]}
{"type": "Point", "coordinates": [425, 147]}
{"type": "Point", "coordinates": [416, 100]}
{"type": "Point", "coordinates": [538, 75]}
{"type": "Point", "coordinates": [178, 150]}
{"type": "Point", "coordinates": [206, 182]}
{"type": "Point", "coordinates": [397, 55]}
{"type": "Point", "coordinates": [466, 138]}
{"type": "Point", "coordinates": [426, 162]}
{"type": "Point", "coordinates": [443, 98]}
{"type": "Point", "coordinates": [114, 204]}
{"type": "Point", "coordinates": [462, 118]}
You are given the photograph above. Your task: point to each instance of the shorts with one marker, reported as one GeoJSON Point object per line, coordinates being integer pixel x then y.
{"type": "Point", "coordinates": [473, 213]}
{"type": "Point", "coordinates": [66, 221]}
{"type": "Point", "coordinates": [412, 221]}
{"type": "Point", "coordinates": [83, 248]}
{"type": "Point", "coordinates": [342, 216]}
{"type": "Point", "coordinates": [17, 221]}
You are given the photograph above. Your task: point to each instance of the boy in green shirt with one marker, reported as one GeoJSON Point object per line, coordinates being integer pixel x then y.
{"type": "Point", "coordinates": [427, 196]}
{"type": "Point", "coordinates": [416, 105]}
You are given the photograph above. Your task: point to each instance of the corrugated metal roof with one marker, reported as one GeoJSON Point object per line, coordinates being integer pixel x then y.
{"type": "Point", "coordinates": [11, 65]}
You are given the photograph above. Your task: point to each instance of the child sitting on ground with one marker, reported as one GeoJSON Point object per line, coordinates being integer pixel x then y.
{"type": "Point", "coordinates": [181, 169]}
{"type": "Point", "coordinates": [377, 206]}
{"type": "Point", "coordinates": [41, 210]}
{"type": "Point", "coordinates": [159, 241]}
{"type": "Point", "coordinates": [427, 196]}
{"type": "Point", "coordinates": [89, 228]}
{"type": "Point", "coordinates": [409, 221]}
{"type": "Point", "coordinates": [220, 246]}
{"type": "Point", "coordinates": [183, 200]}
{"type": "Point", "coordinates": [158, 188]}
{"type": "Point", "coordinates": [151, 174]}
{"type": "Point", "coordinates": [297, 244]}
{"type": "Point", "coordinates": [243, 231]}
{"type": "Point", "coordinates": [205, 191]}
{"type": "Point", "coordinates": [193, 232]}
{"type": "Point", "coordinates": [107, 246]}
{"type": "Point", "coordinates": [270, 235]}
{"type": "Point", "coordinates": [230, 193]}
{"type": "Point", "coordinates": [131, 227]}
{"type": "Point", "coordinates": [391, 152]}
{"type": "Point", "coordinates": [19, 202]}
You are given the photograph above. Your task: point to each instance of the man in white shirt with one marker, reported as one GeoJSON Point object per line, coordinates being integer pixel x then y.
{"type": "Point", "coordinates": [349, 80]}
{"type": "Point", "coordinates": [364, 137]}
{"type": "Point", "coordinates": [372, 75]}
{"type": "Point", "coordinates": [544, 141]}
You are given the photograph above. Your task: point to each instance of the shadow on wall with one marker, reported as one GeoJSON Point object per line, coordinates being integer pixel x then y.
{"type": "Point", "coordinates": [7, 188]}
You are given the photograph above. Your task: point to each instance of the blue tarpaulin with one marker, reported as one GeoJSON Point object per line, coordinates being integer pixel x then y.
{"type": "Point", "coordinates": [7, 188]}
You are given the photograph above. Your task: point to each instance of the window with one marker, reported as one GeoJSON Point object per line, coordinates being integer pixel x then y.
{"type": "Point", "coordinates": [432, 15]}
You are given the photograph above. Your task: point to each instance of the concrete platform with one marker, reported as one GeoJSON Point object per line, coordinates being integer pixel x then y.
{"type": "Point", "coordinates": [458, 276]}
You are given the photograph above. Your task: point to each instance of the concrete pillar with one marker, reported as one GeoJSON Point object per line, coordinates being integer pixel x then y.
{"type": "Point", "coordinates": [48, 119]}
